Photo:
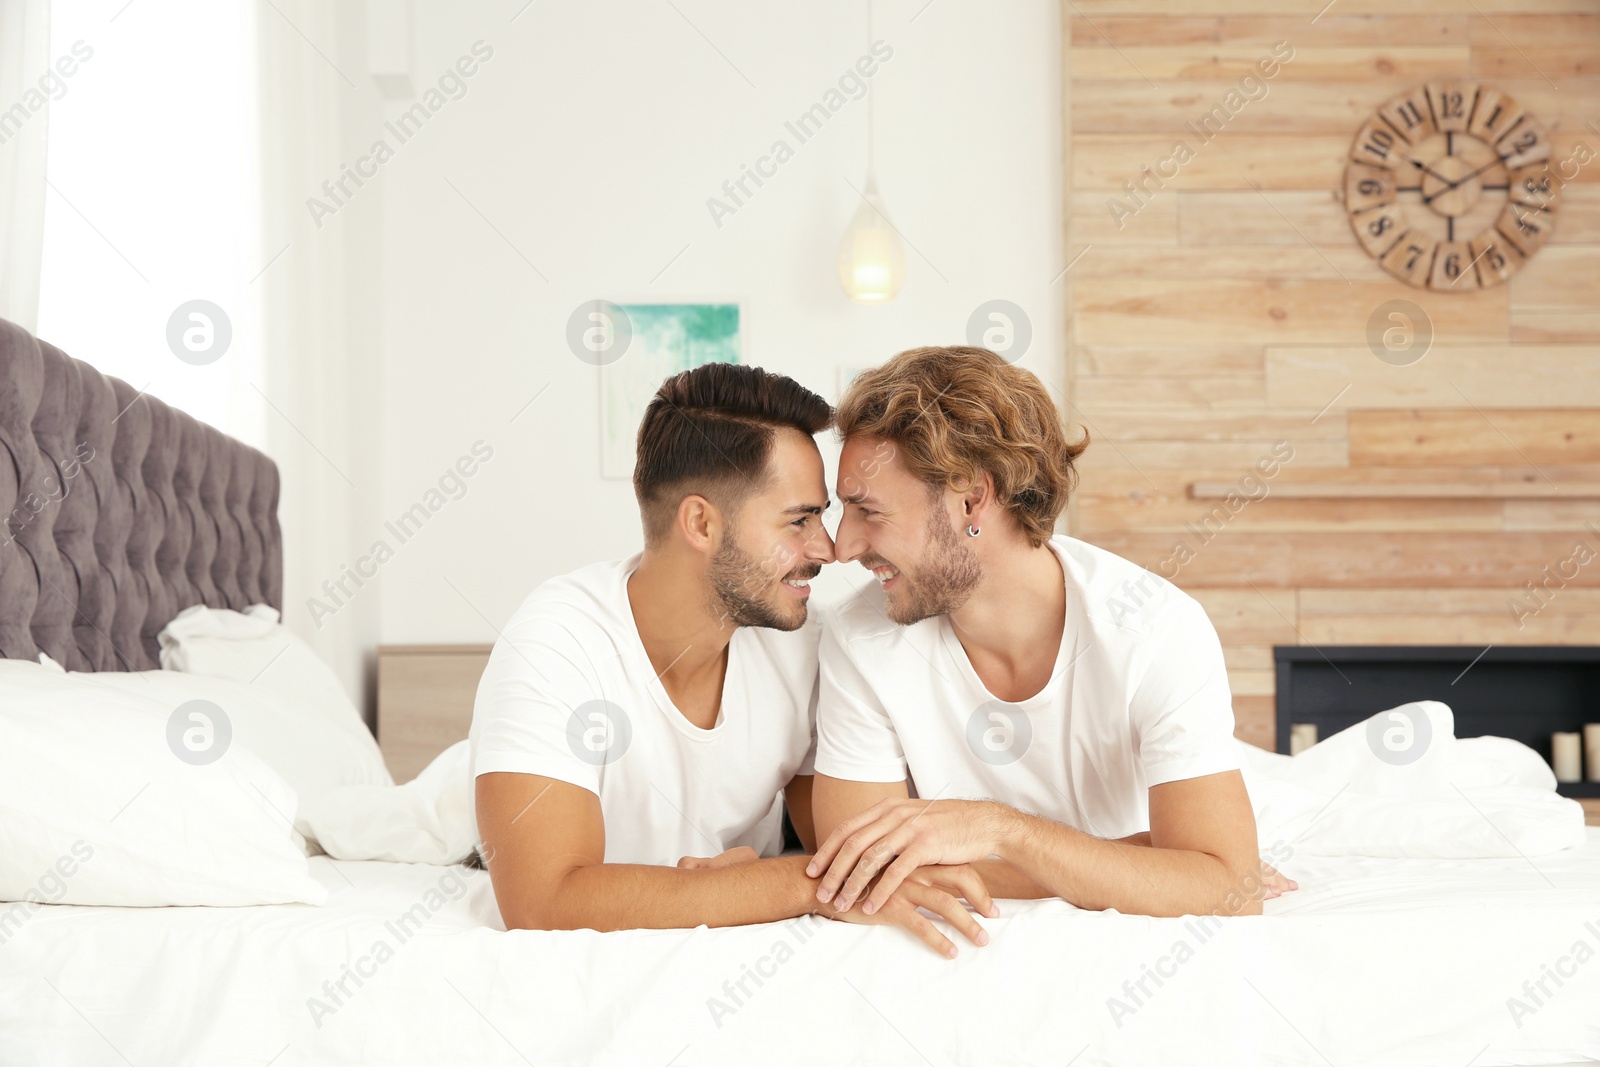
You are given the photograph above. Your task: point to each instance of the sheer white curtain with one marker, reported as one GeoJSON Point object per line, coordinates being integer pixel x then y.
{"type": "Point", "coordinates": [318, 305]}
{"type": "Point", "coordinates": [27, 82]}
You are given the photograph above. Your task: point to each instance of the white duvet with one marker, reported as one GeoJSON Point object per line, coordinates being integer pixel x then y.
{"type": "Point", "coordinates": [1454, 798]}
{"type": "Point", "coordinates": [1373, 962]}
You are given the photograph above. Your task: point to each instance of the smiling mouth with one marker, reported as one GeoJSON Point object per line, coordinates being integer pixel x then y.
{"type": "Point", "coordinates": [885, 573]}
{"type": "Point", "coordinates": [802, 580]}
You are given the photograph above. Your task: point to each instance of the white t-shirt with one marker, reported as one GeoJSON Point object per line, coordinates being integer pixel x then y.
{"type": "Point", "coordinates": [1138, 697]}
{"type": "Point", "coordinates": [569, 693]}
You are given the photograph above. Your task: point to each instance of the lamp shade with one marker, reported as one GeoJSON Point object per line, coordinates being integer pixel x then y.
{"type": "Point", "coordinates": [872, 261]}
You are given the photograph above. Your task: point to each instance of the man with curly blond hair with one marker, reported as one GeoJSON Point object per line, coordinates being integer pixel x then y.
{"type": "Point", "coordinates": [1061, 714]}
{"type": "Point", "coordinates": [643, 711]}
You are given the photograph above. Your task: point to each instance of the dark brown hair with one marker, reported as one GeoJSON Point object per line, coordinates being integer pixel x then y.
{"type": "Point", "coordinates": [955, 412]}
{"type": "Point", "coordinates": [710, 431]}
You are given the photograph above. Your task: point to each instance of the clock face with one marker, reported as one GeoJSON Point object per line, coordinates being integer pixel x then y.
{"type": "Point", "coordinates": [1448, 186]}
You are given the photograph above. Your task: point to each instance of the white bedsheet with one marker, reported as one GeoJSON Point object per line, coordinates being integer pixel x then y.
{"type": "Point", "coordinates": [1373, 962]}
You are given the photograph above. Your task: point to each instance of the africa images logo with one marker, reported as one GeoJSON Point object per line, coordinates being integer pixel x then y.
{"type": "Point", "coordinates": [999, 733]}
{"type": "Point", "coordinates": [599, 732]}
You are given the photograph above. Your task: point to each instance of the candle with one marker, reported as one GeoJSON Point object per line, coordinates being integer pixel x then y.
{"type": "Point", "coordinates": [1302, 735]}
{"type": "Point", "coordinates": [1564, 749]}
{"type": "Point", "coordinates": [1591, 745]}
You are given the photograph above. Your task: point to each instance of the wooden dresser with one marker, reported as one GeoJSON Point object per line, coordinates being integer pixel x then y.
{"type": "Point", "coordinates": [425, 695]}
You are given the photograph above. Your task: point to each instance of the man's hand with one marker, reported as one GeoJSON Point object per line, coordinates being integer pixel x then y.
{"type": "Point", "coordinates": [1276, 884]}
{"type": "Point", "coordinates": [940, 889]}
{"type": "Point", "coordinates": [895, 837]}
{"type": "Point", "coordinates": [738, 854]}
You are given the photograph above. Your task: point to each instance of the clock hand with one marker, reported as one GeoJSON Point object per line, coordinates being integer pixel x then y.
{"type": "Point", "coordinates": [1424, 168]}
{"type": "Point", "coordinates": [1449, 186]}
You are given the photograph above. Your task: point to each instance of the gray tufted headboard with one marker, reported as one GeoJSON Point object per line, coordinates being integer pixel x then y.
{"type": "Point", "coordinates": [119, 512]}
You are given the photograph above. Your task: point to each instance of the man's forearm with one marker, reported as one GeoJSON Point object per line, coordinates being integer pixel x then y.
{"type": "Point", "coordinates": [629, 896]}
{"type": "Point", "coordinates": [1128, 875]}
{"type": "Point", "coordinates": [1005, 879]}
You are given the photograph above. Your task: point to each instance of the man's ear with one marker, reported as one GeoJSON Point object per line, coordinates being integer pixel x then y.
{"type": "Point", "coordinates": [976, 503]}
{"type": "Point", "coordinates": [699, 523]}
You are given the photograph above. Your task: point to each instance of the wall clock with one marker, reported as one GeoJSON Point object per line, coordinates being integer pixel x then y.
{"type": "Point", "coordinates": [1448, 186]}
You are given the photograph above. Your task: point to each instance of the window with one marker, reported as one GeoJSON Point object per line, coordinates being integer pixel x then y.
{"type": "Point", "coordinates": [153, 201]}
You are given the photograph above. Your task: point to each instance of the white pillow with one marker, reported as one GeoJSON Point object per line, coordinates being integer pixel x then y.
{"type": "Point", "coordinates": [427, 820]}
{"type": "Point", "coordinates": [254, 648]}
{"type": "Point", "coordinates": [112, 798]}
{"type": "Point", "coordinates": [312, 750]}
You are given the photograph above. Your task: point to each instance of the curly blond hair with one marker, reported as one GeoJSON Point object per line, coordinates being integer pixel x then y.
{"type": "Point", "coordinates": [955, 412]}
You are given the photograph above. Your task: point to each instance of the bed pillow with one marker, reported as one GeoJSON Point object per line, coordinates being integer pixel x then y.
{"type": "Point", "coordinates": [113, 798]}
{"type": "Point", "coordinates": [253, 647]}
{"type": "Point", "coordinates": [312, 750]}
{"type": "Point", "coordinates": [427, 820]}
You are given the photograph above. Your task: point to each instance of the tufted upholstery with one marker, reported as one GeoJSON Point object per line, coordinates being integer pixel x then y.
{"type": "Point", "coordinates": [113, 523]}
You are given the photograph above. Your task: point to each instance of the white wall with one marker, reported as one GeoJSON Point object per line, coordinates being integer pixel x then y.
{"type": "Point", "coordinates": [591, 141]}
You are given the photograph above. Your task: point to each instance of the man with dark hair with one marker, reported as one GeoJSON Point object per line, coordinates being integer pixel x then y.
{"type": "Point", "coordinates": [1063, 714]}
{"type": "Point", "coordinates": [638, 712]}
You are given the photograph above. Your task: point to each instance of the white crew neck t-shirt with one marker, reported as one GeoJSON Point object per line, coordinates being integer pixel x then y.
{"type": "Point", "coordinates": [1138, 697]}
{"type": "Point", "coordinates": [569, 693]}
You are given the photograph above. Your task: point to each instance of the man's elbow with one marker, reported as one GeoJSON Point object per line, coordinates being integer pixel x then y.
{"type": "Point", "coordinates": [547, 906]}
{"type": "Point", "coordinates": [1245, 888]}
{"type": "Point", "coordinates": [528, 917]}
{"type": "Point", "coordinates": [1248, 907]}
{"type": "Point", "coordinates": [550, 919]}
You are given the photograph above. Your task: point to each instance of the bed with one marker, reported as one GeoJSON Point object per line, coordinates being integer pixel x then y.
{"type": "Point", "coordinates": [1399, 960]}
{"type": "Point", "coordinates": [1371, 962]}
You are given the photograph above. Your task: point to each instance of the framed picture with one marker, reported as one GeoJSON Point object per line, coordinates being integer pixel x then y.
{"type": "Point", "coordinates": [665, 339]}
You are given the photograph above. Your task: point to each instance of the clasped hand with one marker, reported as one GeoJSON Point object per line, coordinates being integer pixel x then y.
{"type": "Point", "coordinates": [940, 888]}
{"type": "Point", "coordinates": [895, 837]}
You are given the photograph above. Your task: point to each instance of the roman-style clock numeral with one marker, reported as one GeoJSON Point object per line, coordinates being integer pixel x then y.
{"type": "Point", "coordinates": [1379, 228]}
{"type": "Point", "coordinates": [1495, 258]}
{"type": "Point", "coordinates": [1411, 258]}
{"type": "Point", "coordinates": [1410, 115]}
{"type": "Point", "coordinates": [1452, 105]}
{"type": "Point", "coordinates": [1495, 114]}
{"type": "Point", "coordinates": [1366, 187]}
{"type": "Point", "coordinates": [1453, 267]}
{"type": "Point", "coordinates": [1534, 186]}
{"type": "Point", "coordinates": [1525, 227]}
{"type": "Point", "coordinates": [1524, 143]}
{"type": "Point", "coordinates": [1377, 145]}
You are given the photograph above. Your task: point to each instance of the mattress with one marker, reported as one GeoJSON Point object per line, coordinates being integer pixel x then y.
{"type": "Point", "coordinates": [1376, 962]}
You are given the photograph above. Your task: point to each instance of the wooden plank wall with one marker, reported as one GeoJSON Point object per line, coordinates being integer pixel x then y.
{"type": "Point", "coordinates": [1229, 313]}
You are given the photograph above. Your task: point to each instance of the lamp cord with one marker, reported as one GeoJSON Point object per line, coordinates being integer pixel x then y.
{"type": "Point", "coordinates": [871, 96]}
